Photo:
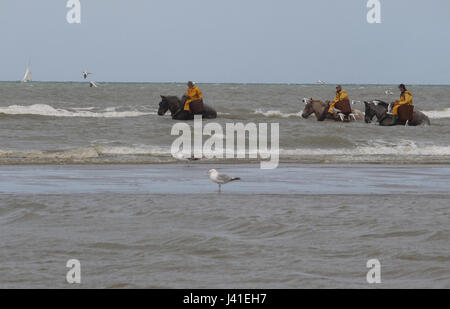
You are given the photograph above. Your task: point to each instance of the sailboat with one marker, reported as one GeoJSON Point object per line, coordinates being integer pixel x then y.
{"type": "Point", "coordinates": [28, 77]}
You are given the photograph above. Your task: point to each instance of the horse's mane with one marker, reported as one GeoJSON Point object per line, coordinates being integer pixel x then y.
{"type": "Point", "coordinates": [173, 98]}
{"type": "Point", "coordinates": [380, 103]}
{"type": "Point", "coordinates": [317, 101]}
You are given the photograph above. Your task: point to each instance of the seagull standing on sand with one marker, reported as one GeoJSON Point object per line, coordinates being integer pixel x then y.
{"type": "Point", "coordinates": [220, 179]}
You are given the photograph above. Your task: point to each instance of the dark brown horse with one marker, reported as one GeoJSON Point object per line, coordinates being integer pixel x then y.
{"type": "Point", "coordinates": [176, 107]}
{"type": "Point", "coordinates": [379, 109]}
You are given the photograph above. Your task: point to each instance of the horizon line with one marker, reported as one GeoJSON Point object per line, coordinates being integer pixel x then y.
{"type": "Point", "coordinates": [222, 83]}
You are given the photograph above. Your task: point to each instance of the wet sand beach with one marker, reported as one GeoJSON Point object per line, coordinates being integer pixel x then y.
{"type": "Point", "coordinates": [165, 226]}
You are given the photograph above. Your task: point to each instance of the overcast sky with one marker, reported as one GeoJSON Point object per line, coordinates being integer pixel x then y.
{"type": "Point", "coordinates": [250, 41]}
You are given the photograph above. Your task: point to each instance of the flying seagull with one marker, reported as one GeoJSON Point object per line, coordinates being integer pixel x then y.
{"type": "Point", "coordinates": [220, 179]}
{"type": "Point", "coordinates": [86, 74]}
{"type": "Point", "coordinates": [93, 84]}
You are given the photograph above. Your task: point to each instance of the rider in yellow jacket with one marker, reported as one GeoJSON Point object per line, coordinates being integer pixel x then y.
{"type": "Point", "coordinates": [192, 94]}
{"type": "Point", "coordinates": [405, 98]}
{"type": "Point", "coordinates": [340, 96]}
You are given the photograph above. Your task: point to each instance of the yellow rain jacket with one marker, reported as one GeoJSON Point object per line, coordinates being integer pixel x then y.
{"type": "Point", "coordinates": [342, 95]}
{"type": "Point", "coordinates": [195, 94]}
{"type": "Point", "coordinates": [405, 98]}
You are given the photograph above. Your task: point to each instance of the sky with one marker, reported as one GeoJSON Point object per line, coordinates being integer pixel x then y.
{"type": "Point", "coordinates": [228, 41]}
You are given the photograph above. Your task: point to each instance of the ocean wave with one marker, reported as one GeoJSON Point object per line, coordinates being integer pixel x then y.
{"type": "Point", "coordinates": [375, 148]}
{"type": "Point", "coordinates": [70, 154]}
{"type": "Point", "coordinates": [49, 111]}
{"type": "Point", "coordinates": [82, 108]}
{"type": "Point", "coordinates": [89, 154]}
{"type": "Point", "coordinates": [276, 114]}
{"type": "Point", "coordinates": [132, 150]}
{"type": "Point", "coordinates": [438, 114]}
{"type": "Point", "coordinates": [372, 151]}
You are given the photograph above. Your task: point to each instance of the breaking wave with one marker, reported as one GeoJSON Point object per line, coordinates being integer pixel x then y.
{"type": "Point", "coordinates": [438, 114]}
{"type": "Point", "coordinates": [49, 111]}
{"type": "Point", "coordinates": [276, 114]}
{"type": "Point", "coordinates": [373, 152]}
{"type": "Point", "coordinates": [86, 152]}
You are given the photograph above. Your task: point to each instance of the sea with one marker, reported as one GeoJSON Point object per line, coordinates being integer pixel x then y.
{"type": "Point", "coordinates": [88, 174]}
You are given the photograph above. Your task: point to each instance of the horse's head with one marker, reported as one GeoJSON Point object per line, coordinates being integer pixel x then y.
{"type": "Point", "coordinates": [163, 106]}
{"type": "Point", "coordinates": [308, 110]}
{"type": "Point", "coordinates": [375, 108]}
{"type": "Point", "coordinates": [369, 112]}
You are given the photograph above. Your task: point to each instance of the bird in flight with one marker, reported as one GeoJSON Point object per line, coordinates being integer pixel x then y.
{"type": "Point", "coordinates": [220, 179]}
{"type": "Point", "coordinates": [86, 74]}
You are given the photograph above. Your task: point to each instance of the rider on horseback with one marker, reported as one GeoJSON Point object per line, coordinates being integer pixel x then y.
{"type": "Point", "coordinates": [341, 96]}
{"type": "Point", "coordinates": [341, 99]}
{"type": "Point", "coordinates": [193, 99]}
{"type": "Point", "coordinates": [406, 98]}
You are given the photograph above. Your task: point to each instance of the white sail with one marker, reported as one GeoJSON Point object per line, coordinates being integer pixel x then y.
{"type": "Point", "coordinates": [28, 77]}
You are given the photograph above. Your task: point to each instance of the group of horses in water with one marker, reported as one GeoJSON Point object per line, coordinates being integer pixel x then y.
{"type": "Point", "coordinates": [375, 108]}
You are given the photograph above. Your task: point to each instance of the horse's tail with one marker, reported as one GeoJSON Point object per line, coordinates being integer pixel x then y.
{"type": "Point", "coordinates": [209, 112]}
{"type": "Point", "coordinates": [425, 119]}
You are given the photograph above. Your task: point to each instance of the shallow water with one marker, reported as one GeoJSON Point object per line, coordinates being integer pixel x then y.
{"type": "Point", "coordinates": [110, 194]}
{"type": "Point", "coordinates": [117, 123]}
{"type": "Point", "coordinates": [165, 226]}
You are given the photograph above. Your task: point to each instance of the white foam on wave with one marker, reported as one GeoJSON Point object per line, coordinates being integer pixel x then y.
{"type": "Point", "coordinates": [132, 150]}
{"type": "Point", "coordinates": [70, 154]}
{"type": "Point", "coordinates": [438, 114]}
{"type": "Point", "coordinates": [47, 110]}
{"type": "Point", "coordinates": [375, 148]}
{"type": "Point", "coordinates": [276, 113]}
{"type": "Point", "coordinates": [82, 108]}
{"type": "Point", "coordinates": [84, 153]}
